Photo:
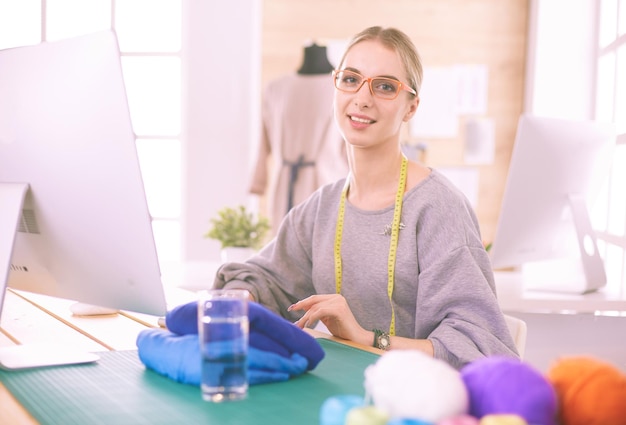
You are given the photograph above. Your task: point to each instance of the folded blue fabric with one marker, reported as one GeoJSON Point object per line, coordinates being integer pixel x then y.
{"type": "Point", "coordinates": [178, 357]}
{"type": "Point", "coordinates": [268, 331]}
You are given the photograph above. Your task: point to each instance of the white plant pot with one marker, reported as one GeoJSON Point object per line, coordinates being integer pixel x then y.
{"type": "Point", "coordinates": [235, 254]}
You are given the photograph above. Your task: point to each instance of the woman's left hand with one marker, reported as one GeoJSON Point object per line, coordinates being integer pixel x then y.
{"type": "Point", "coordinates": [333, 311]}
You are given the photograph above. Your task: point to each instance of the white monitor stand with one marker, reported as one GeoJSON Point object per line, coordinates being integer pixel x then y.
{"type": "Point", "coordinates": [593, 266]}
{"type": "Point", "coordinates": [11, 198]}
{"type": "Point", "coordinates": [28, 355]}
{"type": "Point", "coordinates": [582, 275]}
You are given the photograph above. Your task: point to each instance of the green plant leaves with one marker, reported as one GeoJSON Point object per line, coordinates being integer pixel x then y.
{"type": "Point", "coordinates": [238, 227]}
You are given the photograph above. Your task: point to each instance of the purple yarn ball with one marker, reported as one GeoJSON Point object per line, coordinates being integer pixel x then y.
{"type": "Point", "coordinates": [500, 385]}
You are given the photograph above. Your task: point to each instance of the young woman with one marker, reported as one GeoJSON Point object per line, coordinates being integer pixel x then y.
{"type": "Point", "coordinates": [392, 255]}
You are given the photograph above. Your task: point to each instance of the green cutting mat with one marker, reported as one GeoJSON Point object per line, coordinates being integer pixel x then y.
{"type": "Point", "coordinates": [119, 390]}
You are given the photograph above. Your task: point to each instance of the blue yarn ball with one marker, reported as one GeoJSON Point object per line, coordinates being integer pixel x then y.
{"type": "Point", "coordinates": [408, 422]}
{"type": "Point", "coordinates": [506, 385]}
{"type": "Point", "coordinates": [334, 409]}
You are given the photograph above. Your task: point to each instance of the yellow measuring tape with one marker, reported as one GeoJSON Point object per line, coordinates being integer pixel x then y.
{"type": "Point", "coordinates": [393, 244]}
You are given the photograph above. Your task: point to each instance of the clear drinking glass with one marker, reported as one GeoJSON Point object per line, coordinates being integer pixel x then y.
{"type": "Point", "coordinates": [223, 328]}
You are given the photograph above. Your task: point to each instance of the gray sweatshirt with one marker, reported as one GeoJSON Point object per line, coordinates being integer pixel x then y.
{"type": "Point", "coordinates": [444, 288]}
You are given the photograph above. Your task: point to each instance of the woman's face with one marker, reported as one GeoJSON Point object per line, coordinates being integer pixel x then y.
{"type": "Point", "coordinates": [363, 119]}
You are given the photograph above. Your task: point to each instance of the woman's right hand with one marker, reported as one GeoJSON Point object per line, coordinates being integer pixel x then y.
{"type": "Point", "coordinates": [333, 311]}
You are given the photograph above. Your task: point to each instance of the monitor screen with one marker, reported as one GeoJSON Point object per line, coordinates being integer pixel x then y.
{"type": "Point", "coordinates": [75, 222]}
{"type": "Point", "coordinates": [557, 168]}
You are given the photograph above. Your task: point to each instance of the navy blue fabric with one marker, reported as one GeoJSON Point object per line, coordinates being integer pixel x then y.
{"type": "Point", "coordinates": [178, 357]}
{"type": "Point", "coordinates": [268, 331]}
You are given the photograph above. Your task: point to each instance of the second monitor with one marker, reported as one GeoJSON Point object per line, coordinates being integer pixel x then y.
{"type": "Point", "coordinates": [556, 171]}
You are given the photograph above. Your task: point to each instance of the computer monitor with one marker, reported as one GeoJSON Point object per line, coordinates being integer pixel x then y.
{"type": "Point", "coordinates": [557, 168]}
{"type": "Point", "coordinates": [74, 220]}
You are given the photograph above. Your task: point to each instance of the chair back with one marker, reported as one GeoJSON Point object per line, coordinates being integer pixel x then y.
{"type": "Point", "coordinates": [518, 330]}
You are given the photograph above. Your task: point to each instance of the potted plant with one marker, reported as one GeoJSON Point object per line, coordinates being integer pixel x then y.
{"type": "Point", "coordinates": [239, 232]}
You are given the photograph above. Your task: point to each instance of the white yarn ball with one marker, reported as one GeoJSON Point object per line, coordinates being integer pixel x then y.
{"type": "Point", "coordinates": [412, 385]}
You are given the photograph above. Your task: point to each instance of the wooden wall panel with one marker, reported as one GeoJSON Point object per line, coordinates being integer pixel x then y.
{"type": "Point", "coordinates": [446, 33]}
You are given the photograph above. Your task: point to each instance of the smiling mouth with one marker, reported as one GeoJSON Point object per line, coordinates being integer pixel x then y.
{"type": "Point", "coordinates": [361, 120]}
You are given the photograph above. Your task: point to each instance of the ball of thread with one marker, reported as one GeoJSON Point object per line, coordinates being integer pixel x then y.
{"type": "Point", "coordinates": [366, 415]}
{"type": "Point", "coordinates": [502, 420]}
{"type": "Point", "coordinates": [409, 422]}
{"type": "Point", "coordinates": [335, 409]}
{"type": "Point", "coordinates": [459, 420]}
{"type": "Point", "coordinates": [503, 385]}
{"type": "Point", "coordinates": [589, 391]}
{"type": "Point", "coordinates": [408, 384]}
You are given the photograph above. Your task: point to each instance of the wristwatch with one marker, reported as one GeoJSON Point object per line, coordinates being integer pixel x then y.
{"type": "Point", "coordinates": [381, 340]}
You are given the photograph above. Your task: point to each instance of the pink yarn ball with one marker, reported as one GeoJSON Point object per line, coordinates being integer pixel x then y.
{"type": "Point", "coordinates": [459, 420]}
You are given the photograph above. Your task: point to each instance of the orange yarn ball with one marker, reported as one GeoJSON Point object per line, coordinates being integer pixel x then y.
{"type": "Point", "coordinates": [589, 391]}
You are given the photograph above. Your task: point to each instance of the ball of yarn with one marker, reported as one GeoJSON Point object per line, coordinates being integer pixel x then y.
{"type": "Point", "coordinates": [459, 420]}
{"type": "Point", "coordinates": [503, 385]}
{"type": "Point", "coordinates": [589, 391]}
{"type": "Point", "coordinates": [334, 409]}
{"type": "Point", "coordinates": [366, 415]}
{"type": "Point", "coordinates": [409, 384]}
{"type": "Point", "coordinates": [408, 422]}
{"type": "Point", "coordinates": [502, 420]}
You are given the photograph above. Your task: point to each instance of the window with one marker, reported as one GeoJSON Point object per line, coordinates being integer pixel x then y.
{"type": "Point", "coordinates": [149, 34]}
{"type": "Point", "coordinates": [610, 105]}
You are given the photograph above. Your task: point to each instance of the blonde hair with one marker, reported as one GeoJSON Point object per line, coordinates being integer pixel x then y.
{"type": "Point", "coordinates": [397, 41]}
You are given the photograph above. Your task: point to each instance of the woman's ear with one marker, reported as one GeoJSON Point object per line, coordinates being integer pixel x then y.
{"type": "Point", "coordinates": [412, 109]}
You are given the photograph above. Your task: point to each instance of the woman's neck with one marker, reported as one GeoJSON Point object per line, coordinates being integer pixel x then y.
{"type": "Point", "coordinates": [374, 180]}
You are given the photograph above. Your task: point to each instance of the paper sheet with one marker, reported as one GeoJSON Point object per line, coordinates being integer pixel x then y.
{"type": "Point", "coordinates": [480, 145]}
{"type": "Point", "coordinates": [447, 93]}
{"type": "Point", "coordinates": [472, 89]}
{"type": "Point", "coordinates": [437, 114]}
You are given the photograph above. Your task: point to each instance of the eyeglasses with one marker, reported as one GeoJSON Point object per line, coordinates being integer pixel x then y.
{"type": "Point", "coordinates": [382, 87]}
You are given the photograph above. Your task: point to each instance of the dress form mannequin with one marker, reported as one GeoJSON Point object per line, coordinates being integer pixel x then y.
{"type": "Point", "coordinates": [315, 61]}
{"type": "Point", "coordinates": [300, 136]}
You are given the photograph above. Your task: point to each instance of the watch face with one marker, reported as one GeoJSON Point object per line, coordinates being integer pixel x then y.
{"type": "Point", "coordinates": [383, 341]}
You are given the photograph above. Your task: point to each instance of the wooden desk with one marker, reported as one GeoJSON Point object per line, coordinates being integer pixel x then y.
{"type": "Point", "coordinates": [31, 318]}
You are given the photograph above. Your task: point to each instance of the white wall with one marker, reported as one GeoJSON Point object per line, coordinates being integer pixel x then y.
{"type": "Point", "coordinates": [560, 71]}
{"type": "Point", "coordinates": [221, 77]}
{"type": "Point", "coordinates": [221, 60]}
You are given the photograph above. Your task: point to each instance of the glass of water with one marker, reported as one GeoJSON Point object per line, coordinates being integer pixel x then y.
{"type": "Point", "coordinates": [223, 328]}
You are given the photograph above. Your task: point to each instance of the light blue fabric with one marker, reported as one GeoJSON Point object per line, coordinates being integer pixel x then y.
{"type": "Point", "coordinates": [178, 357]}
